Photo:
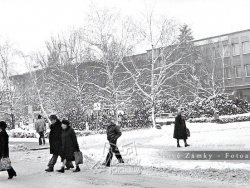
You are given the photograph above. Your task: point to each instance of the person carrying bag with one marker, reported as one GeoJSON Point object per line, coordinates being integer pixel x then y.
{"type": "Point", "coordinates": [78, 158]}
{"type": "Point", "coordinates": [5, 163]}
{"type": "Point", "coordinates": [70, 147]}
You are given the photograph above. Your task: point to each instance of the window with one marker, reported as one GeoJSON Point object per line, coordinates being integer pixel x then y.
{"type": "Point", "coordinates": [225, 51]}
{"type": "Point", "coordinates": [227, 72]}
{"type": "Point", "coordinates": [246, 47]}
{"type": "Point", "coordinates": [236, 49]}
{"type": "Point", "coordinates": [237, 72]}
{"type": "Point", "coordinates": [227, 61]}
{"type": "Point", "coordinates": [247, 69]}
{"type": "Point", "coordinates": [216, 53]}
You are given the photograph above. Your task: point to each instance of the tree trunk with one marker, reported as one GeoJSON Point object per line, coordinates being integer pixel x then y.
{"type": "Point", "coordinates": [44, 112]}
{"type": "Point", "coordinates": [153, 115]}
{"type": "Point", "coordinates": [12, 121]}
{"type": "Point", "coordinates": [116, 108]}
{"type": "Point", "coordinates": [153, 88]}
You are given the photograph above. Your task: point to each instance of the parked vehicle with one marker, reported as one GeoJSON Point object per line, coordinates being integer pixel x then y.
{"type": "Point", "coordinates": [165, 119]}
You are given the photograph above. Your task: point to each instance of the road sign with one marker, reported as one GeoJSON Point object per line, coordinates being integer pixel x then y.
{"type": "Point", "coordinates": [97, 106]}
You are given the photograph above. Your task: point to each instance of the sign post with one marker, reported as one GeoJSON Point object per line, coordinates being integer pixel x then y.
{"type": "Point", "coordinates": [97, 106]}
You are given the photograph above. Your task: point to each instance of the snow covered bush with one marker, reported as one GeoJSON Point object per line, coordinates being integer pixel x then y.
{"type": "Point", "coordinates": [220, 102]}
{"type": "Point", "coordinates": [225, 119]}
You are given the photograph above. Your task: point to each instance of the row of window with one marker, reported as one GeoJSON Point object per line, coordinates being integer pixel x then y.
{"type": "Point", "coordinates": [236, 49]}
{"type": "Point", "coordinates": [237, 71]}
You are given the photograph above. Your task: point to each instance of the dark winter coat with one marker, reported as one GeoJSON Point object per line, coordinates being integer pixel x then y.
{"type": "Point", "coordinates": [180, 130]}
{"type": "Point", "coordinates": [4, 144]}
{"type": "Point", "coordinates": [69, 144]}
{"type": "Point", "coordinates": [113, 132]}
{"type": "Point", "coordinates": [55, 138]}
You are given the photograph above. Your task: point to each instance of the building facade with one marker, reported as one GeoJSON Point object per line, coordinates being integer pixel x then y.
{"type": "Point", "coordinates": [233, 51]}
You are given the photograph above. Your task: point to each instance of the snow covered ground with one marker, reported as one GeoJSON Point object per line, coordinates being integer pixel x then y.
{"type": "Point", "coordinates": [152, 144]}
{"type": "Point", "coordinates": [147, 149]}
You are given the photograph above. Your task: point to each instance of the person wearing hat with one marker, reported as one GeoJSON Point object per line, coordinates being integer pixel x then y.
{"type": "Point", "coordinates": [69, 145]}
{"type": "Point", "coordinates": [180, 129]}
{"type": "Point", "coordinates": [54, 141]}
{"type": "Point", "coordinates": [4, 147]}
{"type": "Point", "coordinates": [113, 133]}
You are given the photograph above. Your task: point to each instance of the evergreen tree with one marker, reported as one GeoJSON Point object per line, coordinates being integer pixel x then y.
{"type": "Point", "coordinates": [185, 35]}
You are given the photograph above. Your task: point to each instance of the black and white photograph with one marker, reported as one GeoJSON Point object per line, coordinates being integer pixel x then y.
{"type": "Point", "coordinates": [124, 93]}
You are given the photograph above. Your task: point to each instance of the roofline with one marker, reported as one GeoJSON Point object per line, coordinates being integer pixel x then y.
{"type": "Point", "coordinates": [220, 35]}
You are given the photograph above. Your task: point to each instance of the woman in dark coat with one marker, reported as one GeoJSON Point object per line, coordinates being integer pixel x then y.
{"type": "Point", "coordinates": [69, 145]}
{"type": "Point", "coordinates": [180, 129]}
{"type": "Point", "coordinates": [55, 137]}
{"type": "Point", "coordinates": [4, 147]}
{"type": "Point", "coordinates": [55, 141]}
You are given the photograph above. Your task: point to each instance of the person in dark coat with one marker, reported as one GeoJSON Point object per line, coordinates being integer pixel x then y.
{"type": "Point", "coordinates": [113, 133]}
{"type": "Point", "coordinates": [69, 145]}
{"type": "Point", "coordinates": [4, 147]}
{"type": "Point", "coordinates": [180, 129]}
{"type": "Point", "coordinates": [54, 141]}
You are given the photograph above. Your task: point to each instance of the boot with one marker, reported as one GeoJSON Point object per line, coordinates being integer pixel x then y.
{"type": "Point", "coordinates": [77, 169]}
{"type": "Point", "coordinates": [40, 141]}
{"type": "Point", "coordinates": [11, 173]}
{"type": "Point", "coordinates": [105, 164]}
{"type": "Point", "coordinates": [120, 161]}
{"type": "Point", "coordinates": [178, 144]}
{"type": "Point", "coordinates": [61, 170]}
{"type": "Point", "coordinates": [186, 145]}
{"type": "Point", "coordinates": [50, 169]}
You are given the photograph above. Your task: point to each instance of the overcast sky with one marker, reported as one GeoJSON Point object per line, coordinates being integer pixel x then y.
{"type": "Point", "coordinates": [29, 23]}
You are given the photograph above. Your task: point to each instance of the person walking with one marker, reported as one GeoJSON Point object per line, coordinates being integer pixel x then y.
{"type": "Point", "coordinates": [40, 127]}
{"type": "Point", "coordinates": [113, 133]}
{"type": "Point", "coordinates": [69, 145]}
{"type": "Point", "coordinates": [54, 141]}
{"type": "Point", "coordinates": [180, 129]}
{"type": "Point", "coordinates": [4, 147]}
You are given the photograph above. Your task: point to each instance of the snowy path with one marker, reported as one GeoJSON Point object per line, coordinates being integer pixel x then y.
{"type": "Point", "coordinates": [150, 148]}
{"type": "Point", "coordinates": [31, 174]}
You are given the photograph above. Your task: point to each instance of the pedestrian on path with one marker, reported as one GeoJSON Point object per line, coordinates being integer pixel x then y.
{"type": "Point", "coordinates": [180, 129]}
{"type": "Point", "coordinates": [55, 141]}
{"type": "Point", "coordinates": [4, 148]}
{"type": "Point", "coordinates": [69, 145]}
{"type": "Point", "coordinates": [113, 133]}
{"type": "Point", "coordinates": [40, 127]}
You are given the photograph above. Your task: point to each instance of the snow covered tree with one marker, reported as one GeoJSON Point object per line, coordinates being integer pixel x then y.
{"type": "Point", "coordinates": [111, 37]}
{"type": "Point", "coordinates": [153, 79]}
{"type": "Point", "coordinates": [8, 96]}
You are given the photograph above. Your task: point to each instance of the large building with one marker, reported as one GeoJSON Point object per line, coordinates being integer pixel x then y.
{"type": "Point", "coordinates": [234, 51]}
{"type": "Point", "coordinates": [231, 54]}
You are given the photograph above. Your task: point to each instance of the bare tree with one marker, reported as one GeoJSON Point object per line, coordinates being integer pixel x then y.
{"type": "Point", "coordinates": [207, 77]}
{"type": "Point", "coordinates": [37, 77]}
{"type": "Point", "coordinates": [8, 95]}
{"type": "Point", "coordinates": [165, 60]}
{"type": "Point", "coordinates": [68, 60]}
{"type": "Point", "coordinates": [111, 38]}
